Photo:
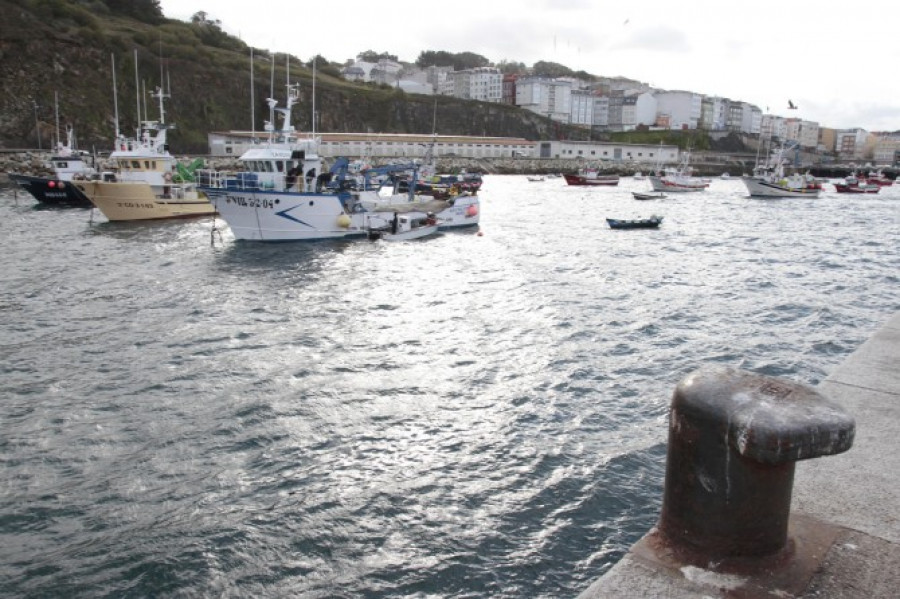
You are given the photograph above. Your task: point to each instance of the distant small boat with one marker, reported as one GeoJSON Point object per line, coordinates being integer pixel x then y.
{"type": "Point", "coordinates": [591, 177]}
{"type": "Point", "coordinates": [635, 223]}
{"type": "Point", "coordinates": [851, 187]}
{"type": "Point", "coordinates": [535, 178]}
{"type": "Point", "coordinates": [406, 227]}
{"type": "Point", "coordinates": [648, 196]}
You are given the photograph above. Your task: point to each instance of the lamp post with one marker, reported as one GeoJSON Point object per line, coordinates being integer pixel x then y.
{"type": "Point", "coordinates": [37, 129]}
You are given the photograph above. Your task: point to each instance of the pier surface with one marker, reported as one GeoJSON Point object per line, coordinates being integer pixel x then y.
{"type": "Point", "coordinates": [846, 507]}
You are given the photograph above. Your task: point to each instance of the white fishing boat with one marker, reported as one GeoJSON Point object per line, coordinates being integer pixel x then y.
{"type": "Point", "coordinates": [285, 193]}
{"type": "Point", "coordinates": [770, 180]}
{"type": "Point", "coordinates": [678, 179]}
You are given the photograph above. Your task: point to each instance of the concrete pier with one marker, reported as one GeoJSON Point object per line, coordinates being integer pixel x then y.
{"type": "Point", "coordinates": [845, 517]}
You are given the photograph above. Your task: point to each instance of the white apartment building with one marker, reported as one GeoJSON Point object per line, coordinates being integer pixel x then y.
{"type": "Point", "coordinates": [682, 108]}
{"type": "Point", "coordinates": [773, 127]}
{"type": "Point", "coordinates": [806, 133]}
{"type": "Point", "coordinates": [743, 118]}
{"type": "Point", "coordinates": [601, 112]}
{"type": "Point", "coordinates": [484, 84]}
{"type": "Point", "coordinates": [713, 113]}
{"type": "Point", "coordinates": [582, 107]}
{"type": "Point", "coordinates": [547, 97]}
{"type": "Point", "coordinates": [645, 108]}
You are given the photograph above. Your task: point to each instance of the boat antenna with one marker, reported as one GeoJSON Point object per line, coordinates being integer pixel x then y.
{"type": "Point", "coordinates": [314, 96]}
{"type": "Point", "coordinates": [137, 92]}
{"type": "Point", "coordinates": [115, 95]}
{"type": "Point", "coordinates": [252, 99]}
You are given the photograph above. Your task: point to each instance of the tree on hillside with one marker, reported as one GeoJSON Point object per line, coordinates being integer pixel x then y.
{"type": "Point", "coordinates": [511, 67]}
{"type": "Point", "coordinates": [372, 56]}
{"type": "Point", "coordinates": [442, 58]}
{"type": "Point", "coordinates": [146, 11]}
{"type": "Point", "coordinates": [209, 31]}
{"type": "Point", "coordinates": [543, 68]}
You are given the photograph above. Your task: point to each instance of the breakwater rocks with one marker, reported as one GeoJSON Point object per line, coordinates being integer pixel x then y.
{"type": "Point", "coordinates": [37, 163]}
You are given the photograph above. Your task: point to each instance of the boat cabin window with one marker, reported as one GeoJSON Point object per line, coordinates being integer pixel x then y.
{"type": "Point", "coordinates": [136, 164]}
{"type": "Point", "coordinates": [279, 164]}
{"type": "Point", "coordinates": [61, 165]}
{"type": "Point", "coordinates": [147, 164]}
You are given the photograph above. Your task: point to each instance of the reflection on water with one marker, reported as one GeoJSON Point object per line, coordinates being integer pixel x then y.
{"type": "Point", "coordinates": [482, 413]}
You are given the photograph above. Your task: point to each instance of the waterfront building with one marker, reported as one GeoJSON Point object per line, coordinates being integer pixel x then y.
{"type": "Point", "coordinates": [384, 145]}
{"type": "Point", "coordinates": [887, 148]}
{"type": "Point", "coordinates": [594, 151]}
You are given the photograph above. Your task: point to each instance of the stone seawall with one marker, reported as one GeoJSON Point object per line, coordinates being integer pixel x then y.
{"type": "Point", "coordinates": [34, 162]}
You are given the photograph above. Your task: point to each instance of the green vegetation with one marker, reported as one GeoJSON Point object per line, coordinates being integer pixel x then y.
{"type": "Point", "coordinates": [67, 48]}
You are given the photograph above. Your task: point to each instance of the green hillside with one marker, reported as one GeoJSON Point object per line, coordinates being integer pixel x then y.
{"type": "Point", "coordinates": [66, 48]}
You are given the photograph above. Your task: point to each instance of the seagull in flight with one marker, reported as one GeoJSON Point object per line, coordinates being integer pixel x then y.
{"type": "Point", "coordinates": [791, 105]}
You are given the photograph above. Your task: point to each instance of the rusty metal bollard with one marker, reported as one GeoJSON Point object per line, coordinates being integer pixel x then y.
{"type": "Point", "coordinates": [734, 437]}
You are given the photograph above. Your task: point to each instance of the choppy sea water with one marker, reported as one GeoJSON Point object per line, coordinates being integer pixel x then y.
{"type": "Point", "coordinates": [464, 416]}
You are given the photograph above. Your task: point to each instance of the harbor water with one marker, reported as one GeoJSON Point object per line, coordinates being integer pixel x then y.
{"type": "Point", "coordinates": [478, 414]}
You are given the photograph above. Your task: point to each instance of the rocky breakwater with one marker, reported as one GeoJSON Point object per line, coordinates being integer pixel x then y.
{"type": "Point", "coordinates": [26, 162]}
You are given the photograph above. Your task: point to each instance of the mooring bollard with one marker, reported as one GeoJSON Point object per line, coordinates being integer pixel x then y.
{"type": "Point", "coordinates": [734, 437]}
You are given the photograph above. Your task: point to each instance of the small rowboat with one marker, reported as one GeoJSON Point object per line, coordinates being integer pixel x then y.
{"type": "Point", "coordinates": [648, 196]}
{"type": "Point", "coordinates": [635, 223]}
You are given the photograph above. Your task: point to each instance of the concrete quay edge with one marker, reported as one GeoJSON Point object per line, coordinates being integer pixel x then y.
{"type": "Point", "coordinates": [851, 502]}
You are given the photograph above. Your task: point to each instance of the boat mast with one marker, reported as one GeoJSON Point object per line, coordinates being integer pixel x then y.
{"type": "Point", "coordinates": [56, 109]}
{"type": "Point", "coordinates": [252, 102]}
{"type": "Point", "coordinates": [137, 92]}
{"type": "Point", "coordinates": [314, 98]}
{"type": "Point", "coordinates": [115, 94]}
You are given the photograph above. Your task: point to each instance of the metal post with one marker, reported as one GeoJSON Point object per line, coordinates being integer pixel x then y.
{"type": "Point", "coordinates": [734, 438]}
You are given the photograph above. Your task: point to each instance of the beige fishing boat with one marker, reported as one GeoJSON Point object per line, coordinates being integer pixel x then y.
{"type": "Point", "coordinates": [145, 184]}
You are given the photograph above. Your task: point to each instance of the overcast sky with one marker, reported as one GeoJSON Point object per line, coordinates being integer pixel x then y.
{"type": "Point", "coordinates": [836, 62]}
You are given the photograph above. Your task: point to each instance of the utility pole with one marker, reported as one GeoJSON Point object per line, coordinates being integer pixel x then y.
{"type": "Point", "coordinates": [37, 129]}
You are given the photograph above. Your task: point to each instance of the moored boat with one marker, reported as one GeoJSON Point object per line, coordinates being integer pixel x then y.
{"type": "Point", "coordinates": [854, 184]}
{"type": "Point", "coordinates": [770, 180]}
{"type": "Point", "coordinates": [67, 165]}
{"type": "Point", "coordinates": [648, 196]}
{"type": "Point", "coordinates": [635, 223]}
{"type": "Point", "coordinates": [679, 179]}
{"type": "Point", "coordinates": [591, 178]}
{"type": "Point", "coordinates": [285, 193]}
{"type": "Point", "coordinates": [405, 227]}
{"type": "Point", "coordinates": [146, 184]}
{"type": "Point", "coordinates": [879, 178]}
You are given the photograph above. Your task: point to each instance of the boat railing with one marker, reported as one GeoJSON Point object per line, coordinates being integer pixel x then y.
{"type": "Point", "coordinates": [253, 181]}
